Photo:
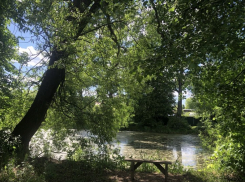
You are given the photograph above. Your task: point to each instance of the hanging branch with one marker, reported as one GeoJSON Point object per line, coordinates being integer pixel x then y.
{"type": "Point", "coordinates": [113, 35]}
{"type": "Point", "coordinates": [158, 20]}
{"type": "Point", "coordinates": [235, 79]}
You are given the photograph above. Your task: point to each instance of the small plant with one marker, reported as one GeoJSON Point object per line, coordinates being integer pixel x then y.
{"type": "Point", "coordinates": [177, 168]}
{"type": "Point", "coordinates": [8, 146]}
{"type": "Point", "coordinates": [21, 173]}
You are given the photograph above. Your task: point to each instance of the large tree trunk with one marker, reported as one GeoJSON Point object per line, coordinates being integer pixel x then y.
{"type": "Point", "coordinates": [28, 126]}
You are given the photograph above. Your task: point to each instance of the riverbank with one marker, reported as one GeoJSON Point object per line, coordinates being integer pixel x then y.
{"type": "Point", "coordinates": [171, 128]}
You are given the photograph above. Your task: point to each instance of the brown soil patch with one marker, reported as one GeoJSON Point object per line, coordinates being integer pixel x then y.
{"type": "Point", "coordinates": [125, 176]}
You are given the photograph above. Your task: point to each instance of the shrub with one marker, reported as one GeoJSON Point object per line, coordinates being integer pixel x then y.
{"type": "Point", "coordinates": [8, 145]}
{"type": "Point", "coordinates": [178, 123]}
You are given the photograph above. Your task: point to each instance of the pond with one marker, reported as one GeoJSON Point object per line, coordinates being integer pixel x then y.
{"type": "Point", "coordinates": [142, 145]}
{"type": "Point", "coordinates": [139, 145]}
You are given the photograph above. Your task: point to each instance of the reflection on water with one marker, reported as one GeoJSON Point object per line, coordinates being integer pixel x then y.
{"type": "Point", "coordinates": [171, 147]}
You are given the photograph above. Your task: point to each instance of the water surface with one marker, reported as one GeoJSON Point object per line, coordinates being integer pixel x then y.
{"type": "Point", "coordinates": [143, 145]}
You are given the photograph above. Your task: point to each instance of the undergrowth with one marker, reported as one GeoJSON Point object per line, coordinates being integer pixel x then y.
{"type": "Point", "coordinates": [92, 163]}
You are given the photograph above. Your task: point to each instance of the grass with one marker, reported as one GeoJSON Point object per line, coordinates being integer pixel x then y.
{"type": "Point", "coordinates": [49, 170]}
{"type": "Point", "coordinates": [45, 170]}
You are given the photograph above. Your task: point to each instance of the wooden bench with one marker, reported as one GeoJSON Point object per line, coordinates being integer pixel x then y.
{"type": "Point", "coordinates": [138, 162]}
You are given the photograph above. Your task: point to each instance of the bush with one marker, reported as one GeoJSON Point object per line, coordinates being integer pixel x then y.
{"type": "Point", "coordinates": [22, 173]}
{"type": "Point", "coordinates": [224, 136]}
{"type": "Point", "coordinates": [8, 145]}
{"type": "Point", "coordinates": [178, 123]}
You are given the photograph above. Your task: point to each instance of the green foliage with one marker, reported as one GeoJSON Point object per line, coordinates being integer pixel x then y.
{"type": "Point", "coordinates": [85, 164]}
{"type": "Point", "coordinates": [222, 105]}
{"type": "Point", "coordinates": [131, 53]}
{"type": "Point", "coordinates": [154, 106]}
{"type": "Point", "coordinates": [7, 53]}
{"type": "Point", "coordinates": [174, 126]}
{"type": "Point", "coordinates": [8, 146]}
{"type": "Point", "coordinates": [175, 123]}
{"type": "Point", "coordinates": [20, 103]}
{"type": "Point", "coordinates": [228, 146]}
{"type": "Point", "coordinates": [22, 173]}
{"type": "Point", "coordinates": [190, 103]}
{"type": "Point", "coordinates": [13, 91]}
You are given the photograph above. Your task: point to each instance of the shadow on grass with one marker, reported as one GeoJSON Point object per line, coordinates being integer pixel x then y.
{"type": "Point", "coordinates": [94, 171]}
{"type": "Point", "coordinates": [193, 178]}
{"type": "Point", "coordinates": [71, 171]}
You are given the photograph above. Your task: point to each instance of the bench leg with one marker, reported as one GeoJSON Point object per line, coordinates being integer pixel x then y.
{"type": "Point", "coordinates": [166, 172]}
{"type": "Point", "coordinates": [132, 171]}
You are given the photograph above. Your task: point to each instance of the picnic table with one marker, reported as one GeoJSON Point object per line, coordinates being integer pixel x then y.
{"type": "Point", "coordinates": [135, 163]}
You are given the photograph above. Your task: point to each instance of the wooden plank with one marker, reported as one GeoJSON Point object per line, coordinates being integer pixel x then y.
{"type": "Point", "coordinates": [160, 168]}
{"type": "Point", "coordinates": [164, 171]}
{"type": "Point", "coordinates": [137, 165]}
{"type": "Point", "coordinates": [149, 161]}
{"type": "Point", "coordinates": [132, 170]}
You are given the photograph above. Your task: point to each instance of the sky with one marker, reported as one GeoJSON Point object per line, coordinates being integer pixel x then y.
{"type": "Point", "coordinates": [188, 94]}
{"type": "Point", "coordinates": [28, 46]}
{"type": "Point", "coordinates": [23, 43]}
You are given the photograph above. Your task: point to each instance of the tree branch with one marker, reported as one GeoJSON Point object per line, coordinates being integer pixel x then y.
{"type": "Point", "coordinates": [158, 20]}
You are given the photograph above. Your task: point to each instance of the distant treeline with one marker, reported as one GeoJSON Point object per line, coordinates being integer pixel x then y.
{"type": "Point", "coordinates": [192, 120]}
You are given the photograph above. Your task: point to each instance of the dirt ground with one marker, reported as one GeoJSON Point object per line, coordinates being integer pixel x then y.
{"type": "Point", "coordinates": [125, 176]}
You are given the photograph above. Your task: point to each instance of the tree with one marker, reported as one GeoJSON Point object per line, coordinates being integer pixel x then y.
{"type": "Point", "coordinates": [155, 106]}
{"type": "Point", "coordinates": [190, 103]}
{"type": "Point", "coordinates": [169, 50]}
{"type": "Point", "coordinates": [155, 38]}
{"type": "Point", "coordinates": [77, 19]}
{"type": "Point", "coordinates": [206, 38]}
{"type": "Point", "coordinates": [7, 53]}
{"type": "Point", "coordinates": [219, 79]}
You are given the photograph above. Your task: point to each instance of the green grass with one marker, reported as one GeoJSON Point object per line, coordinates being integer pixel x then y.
{"type": "Point", "coordinates": [46, 170]}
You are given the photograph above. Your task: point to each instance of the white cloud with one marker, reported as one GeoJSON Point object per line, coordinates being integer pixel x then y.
{"type": "Point", "coordinates": [35, 57]}
{"type": "Point", "coordinates": [187, 94]}
{"type": "Point", "coordinates": [175, 94]}
{"type": "Point", "coordinates": [89, 93]}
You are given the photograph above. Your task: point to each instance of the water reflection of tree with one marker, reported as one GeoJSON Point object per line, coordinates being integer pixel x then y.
{"type": "Point", "coordinates": [179, 152]}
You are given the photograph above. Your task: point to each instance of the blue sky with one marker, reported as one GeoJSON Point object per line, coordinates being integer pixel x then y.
{"type": "Point", "coordinates": [22, 43]}
{"type": "Point", "coordinates": [26, 45]}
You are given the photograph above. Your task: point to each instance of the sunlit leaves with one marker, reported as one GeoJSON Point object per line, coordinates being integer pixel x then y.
{"type": "Point", "coordinates": [121, 48]}
{"type": "Point", "coordinates": [7, 55]}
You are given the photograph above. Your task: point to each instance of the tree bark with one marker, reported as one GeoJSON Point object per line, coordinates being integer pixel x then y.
{"type": "Point", "coordinates": [179, 110]}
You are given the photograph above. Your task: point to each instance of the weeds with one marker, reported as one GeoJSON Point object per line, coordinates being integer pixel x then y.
{"type": "Point", "coordinates": [21, 173]}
